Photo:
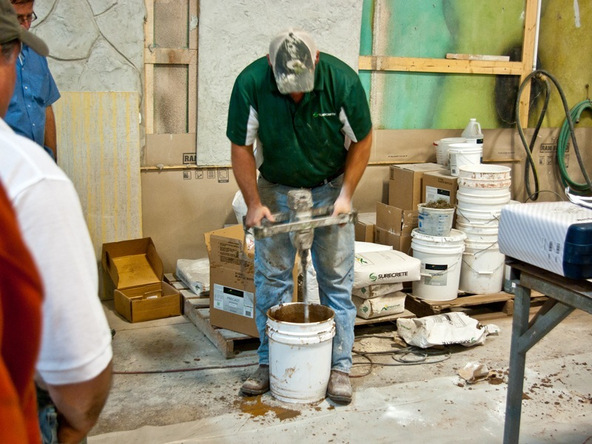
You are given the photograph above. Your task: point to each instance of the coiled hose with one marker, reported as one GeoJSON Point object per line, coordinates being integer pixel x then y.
{"type": "Point", "coordinates": [567, 130]}
{"type": "Point", "coordinates": [562, 144]}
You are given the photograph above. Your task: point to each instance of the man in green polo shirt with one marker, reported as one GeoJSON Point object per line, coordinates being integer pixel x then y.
{"type": "Point", "coordinates": [301, 118]}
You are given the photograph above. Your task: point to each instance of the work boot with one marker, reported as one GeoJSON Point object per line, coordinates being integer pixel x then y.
{"type": "Point", "coordinates": [258, 382]}
{"type": "Point", "coordinates": [339, 389]}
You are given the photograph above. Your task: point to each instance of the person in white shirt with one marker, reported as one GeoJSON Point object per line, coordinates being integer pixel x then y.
{"type": "Point", "coordinates": [74, 364]}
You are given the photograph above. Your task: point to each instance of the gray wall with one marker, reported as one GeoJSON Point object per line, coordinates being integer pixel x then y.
{"type": "Point", "coordinates": [95, 45]}
{"type": "Point", "coordinates": [233, 33]}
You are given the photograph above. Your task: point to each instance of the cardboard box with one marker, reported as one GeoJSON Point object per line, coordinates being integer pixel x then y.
{"type": "Point", "coordinates": [438, 185]}
{"type": "Point", "coordinates": [147, 302]}
{"type": "Point", "coordinates": [405, 184]}
{"type": "Point", "coordinates": [232, 289]}
{"type": "Point", "coordinates": [364, 227]}
{"type": "Point", "coordinates": [399, 241]}
{"type": "Point", "coordinates": [395, 219]}
{"type": "Point", "coordinates": [132, 276]}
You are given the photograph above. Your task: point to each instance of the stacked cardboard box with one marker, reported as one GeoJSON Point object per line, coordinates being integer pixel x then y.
{"type": "Point", "coordinates": [395, 221]}
{"type": "Point", "coordinates": [439, 185]}
{"type": "Point", "coordinates": [406, 184]}
{"type": "Point", "coordinates": [364, 227]}
{"type": "Point", "coordinates": [133, 277]}
{"type": "Point", "coordinates": [232, 289]}
{"type": "Point", "coordinates": [394, 226]}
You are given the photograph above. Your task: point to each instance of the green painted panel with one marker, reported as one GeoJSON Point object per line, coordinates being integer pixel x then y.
{"type": "Point", "coordinates": [433, 28]}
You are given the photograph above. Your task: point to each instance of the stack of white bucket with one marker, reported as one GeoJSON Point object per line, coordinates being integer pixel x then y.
{"type": "Point", "coordinates": [452, 152]}
{"type": "Point", "coordinates": [440, 248]}
{"type": "Point", "coordinates": [482, 192]}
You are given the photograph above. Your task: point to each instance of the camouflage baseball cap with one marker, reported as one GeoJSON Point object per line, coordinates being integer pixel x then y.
{"type": "Point", "coordinates": [10, 29]}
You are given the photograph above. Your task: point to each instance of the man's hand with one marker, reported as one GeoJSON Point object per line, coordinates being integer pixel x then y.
{"type": "Point", "coordinates": [256, 214]}
{"type": "Point", "coordinates": [342, 206]}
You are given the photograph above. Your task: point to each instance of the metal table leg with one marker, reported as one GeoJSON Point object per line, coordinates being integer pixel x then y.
{"type": "Point", "coordinates": [517, 362]}
{"type": "Point", "coordinates": [524, 336]}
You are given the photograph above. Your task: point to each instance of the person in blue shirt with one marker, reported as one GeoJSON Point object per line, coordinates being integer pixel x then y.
{"type": "Point", "coordinates": [30, 111]}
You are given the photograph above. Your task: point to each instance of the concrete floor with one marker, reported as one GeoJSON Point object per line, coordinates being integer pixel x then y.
{"type": "Point", "coordinates": [174, 386]}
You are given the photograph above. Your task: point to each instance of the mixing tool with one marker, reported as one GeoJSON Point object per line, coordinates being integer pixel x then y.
{"type": "Point", "coordinates": [300, 222]}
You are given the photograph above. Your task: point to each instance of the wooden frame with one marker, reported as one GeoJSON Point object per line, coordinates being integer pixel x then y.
{"type": "Point", "coordinates": [448, 66]}
{"type": "Point", "coordinates": [170, 56]}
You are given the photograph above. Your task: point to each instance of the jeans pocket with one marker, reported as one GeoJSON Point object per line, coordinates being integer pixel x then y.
{"type": "Point", "coordinates": [48, 423]}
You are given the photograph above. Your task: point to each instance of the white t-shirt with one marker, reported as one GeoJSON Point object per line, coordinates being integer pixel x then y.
{"type": "Point", "coordinates": [76, 338]}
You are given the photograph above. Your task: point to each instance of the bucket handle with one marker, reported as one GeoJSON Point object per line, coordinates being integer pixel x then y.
{"type": "Point", "coordinates": [483, 272]}
{"type": "Point", "coordinates": [450, 269]}
{"type": "Point", "coordinates": [493, 217]}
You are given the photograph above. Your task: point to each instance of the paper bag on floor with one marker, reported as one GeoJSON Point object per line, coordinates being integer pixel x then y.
{"type": "Point", "coordinates": [444, 329]}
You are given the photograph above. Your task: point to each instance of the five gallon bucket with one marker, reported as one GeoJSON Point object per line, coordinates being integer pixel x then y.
{"type": "Point", "coordinates": [479, 198]}
{"type": "Point", "coordinates": [441, 260]}
{"type": "Point", "coordinates": [300, 352]}
{"type": "Point", "coordinates": [434, 221]}
{"type": "Point", "coordinates": [482, 269]}
{"type": "Point", "coordinates": [485, 172]}
{"type": "Point", "coordinates": [461, 154]}
{"type": "Point", "coordinates": [442, 147]}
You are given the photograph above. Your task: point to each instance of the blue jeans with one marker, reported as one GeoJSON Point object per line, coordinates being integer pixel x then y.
{"type": "Point", "coordinates": [48, 418]}
{"type": "Point", "coordinates": [332, 255]}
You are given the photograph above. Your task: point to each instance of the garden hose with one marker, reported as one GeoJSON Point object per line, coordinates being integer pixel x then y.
{"type": "Point", "coordinates": [562, 144]}
{"type": "Point", "coordinates": [567, 130]}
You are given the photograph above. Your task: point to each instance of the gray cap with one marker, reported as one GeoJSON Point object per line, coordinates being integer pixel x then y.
{"type": "Point", "coordinates": [292, 54]}
{"type": "Point", "coordinates": [10, 29]}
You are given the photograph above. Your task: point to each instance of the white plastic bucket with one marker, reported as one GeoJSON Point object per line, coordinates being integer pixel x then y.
{"type": "Point", "coordinates": [484, 184]}
{"type": "Point", "coordinates": [461, 154]}
{"type": "Point", "coordinates": [482, 270]}
{"type": "Point", "coordinates": [300, 352]}
{"type": "Point", "coordinates": [442, 147]}
{"type": "Point", "coordinates": [481, 217]}
{"type": "Point", "coordinates": [441, 260]}
{"type": "Point", "coordinates": [479, 198]}
{"type": "Point", "coordinates": [478, 233]}
{"type": "Point", "coordinates": [485, 172]}
{"type": "Point", "coordinates": [434, 221]}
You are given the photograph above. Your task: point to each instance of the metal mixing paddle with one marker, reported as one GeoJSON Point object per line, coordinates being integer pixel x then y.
{"type": "Point", "coordinates": [301, 222]}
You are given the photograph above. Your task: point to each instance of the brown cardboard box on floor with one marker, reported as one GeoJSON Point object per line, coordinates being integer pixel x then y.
{"type": "Point", "coordinates": [232, 290]}
{"type": "Point", "coordinates": [405, 184]}
{"type": "Point", "coordinates": [133, 272]}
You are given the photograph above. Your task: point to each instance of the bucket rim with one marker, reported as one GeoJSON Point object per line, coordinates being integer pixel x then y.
{"type": "Point", "coordinates": [423, 206]}
{"type": "Point", "coordinates": [454, 236]}
{"type": "Point", "coordinates": [484, 168]}
{"type": "Point", "coordinates": [279, 306]}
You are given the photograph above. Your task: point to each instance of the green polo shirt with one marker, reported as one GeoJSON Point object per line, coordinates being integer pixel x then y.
{"type": "Point", "coordinates": [302, 144]}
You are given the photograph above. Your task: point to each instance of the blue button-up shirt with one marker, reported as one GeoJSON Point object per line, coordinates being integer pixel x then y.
{"type": "Point", "coordinates": [34, 91]}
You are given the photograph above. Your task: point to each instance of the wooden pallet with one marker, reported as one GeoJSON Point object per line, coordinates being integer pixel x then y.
{"type": "Point", "coordinates": [479, 306]}
{"type": "Point", "coordinates": [229, 342]}
{"type": "Point", "coordinates": [226, 341]}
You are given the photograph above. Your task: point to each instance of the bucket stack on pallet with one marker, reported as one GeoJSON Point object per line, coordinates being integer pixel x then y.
{"type": "Point", "coordinates": [440, 248]}
{"type": "Point", "coordinates": [466, 258]}
{"type": "Point", "coordinates": [483, 190]}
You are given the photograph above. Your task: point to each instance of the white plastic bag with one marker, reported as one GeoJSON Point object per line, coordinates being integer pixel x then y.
{"type": "Point", "coordinates": [195, 273]}
{"type": "Point", "coordinates": [444, 329]}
